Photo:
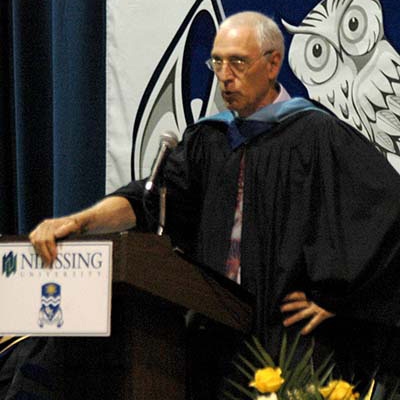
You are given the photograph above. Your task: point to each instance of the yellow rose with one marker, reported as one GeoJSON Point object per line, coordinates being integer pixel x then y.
{"type": "Point", "coordinates": [339, 390]}
{"type": "Point", "coordinates": [267, 380]}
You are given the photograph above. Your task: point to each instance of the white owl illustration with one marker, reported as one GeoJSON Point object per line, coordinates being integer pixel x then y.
{"type": "Point", "coordinates": [340, 53]}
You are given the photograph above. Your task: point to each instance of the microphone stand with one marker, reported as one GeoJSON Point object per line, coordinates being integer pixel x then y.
{"type": "Point", "coordinates": [161, 219]}
{"type": "Point", "coordinates": [168, 141]}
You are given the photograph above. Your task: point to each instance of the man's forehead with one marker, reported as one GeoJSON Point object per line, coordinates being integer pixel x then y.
{"type": "Point", "coordinates": [235, 40]}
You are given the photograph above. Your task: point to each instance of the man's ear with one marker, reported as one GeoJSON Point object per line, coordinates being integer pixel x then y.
{"type": "Point", "coordinates": [274, 64]}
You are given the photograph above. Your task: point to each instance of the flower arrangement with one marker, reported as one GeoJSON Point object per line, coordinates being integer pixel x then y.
{"type": "Point", "coordinates": [286, 381]}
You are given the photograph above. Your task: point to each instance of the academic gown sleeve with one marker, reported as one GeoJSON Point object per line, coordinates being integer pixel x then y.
{"type": "Point", "coordinates": [187, 174]}
{"type": "Point", "coordinates": [180, 182]}
{"type": "Point", "coordinates": [352, 246]}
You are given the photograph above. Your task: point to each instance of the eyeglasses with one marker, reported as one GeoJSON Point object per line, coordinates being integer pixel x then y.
{"type": "Point", "coordinates": [236, 64]}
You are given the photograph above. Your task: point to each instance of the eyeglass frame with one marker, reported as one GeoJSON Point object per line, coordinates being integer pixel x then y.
{"type": "Point", "coordinates": [246, 64]}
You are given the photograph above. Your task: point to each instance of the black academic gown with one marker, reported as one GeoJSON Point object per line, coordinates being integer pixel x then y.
{"type": "Point", "coordinates": [321, 214]}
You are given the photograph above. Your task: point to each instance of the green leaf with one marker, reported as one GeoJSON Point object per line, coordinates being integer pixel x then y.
{"type": "Point", "coordinates": [324, 365]}
{"type": "Point", "coordinates": [240, 388]}
{"type": "Point", "coordinates": [292, 350]}
{"type": "Point", "coordinates": [243, 371]}
{"type": "Point", "coordinates": [282, 354]}
{"type": "Point", "coordinates": [325, 377]}
{"type": "Point", "coordinates": [268, 361]}
{"type": "Point", "coordinates": [305, 376]}
{"type": "Point", "coordinates": [257, 355]}
{"type": "Point", "coordinates": [292, 380]}
{"type": "Point", "coordinates": [231, 396]}
{"type": "Point", "coordinates": [247, 363]}
{"type": "Point", "coordinates": [393, 392]}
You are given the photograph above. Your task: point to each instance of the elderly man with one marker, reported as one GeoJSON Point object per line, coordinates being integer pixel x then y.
{"type": "Point", "coordinates": [275, 193]}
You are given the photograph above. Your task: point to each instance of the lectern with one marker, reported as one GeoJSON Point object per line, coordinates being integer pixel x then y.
{"type": "Point", "coordinates": [154, 288]}
{"type": "Point", "coordinates": [155, 293]}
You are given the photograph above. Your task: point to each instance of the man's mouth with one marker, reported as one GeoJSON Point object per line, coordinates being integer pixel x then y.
{"type": "Point", "coordinates": [227, 94]}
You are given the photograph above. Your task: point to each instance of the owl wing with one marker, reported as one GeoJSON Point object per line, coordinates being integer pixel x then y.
{"type": "Point", "coordinates": [376, 96]}
{"type": "Point", "coordinates": [335, 95]}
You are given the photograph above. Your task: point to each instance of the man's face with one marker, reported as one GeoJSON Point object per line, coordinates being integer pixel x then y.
{"type": "Point", "coordinates": [246, 91]}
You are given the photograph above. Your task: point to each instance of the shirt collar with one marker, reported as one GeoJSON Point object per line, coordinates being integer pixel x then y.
{"type": "Point", "coordinates": [283, 94]}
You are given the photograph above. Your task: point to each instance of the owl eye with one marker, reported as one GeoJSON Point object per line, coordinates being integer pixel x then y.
{"type": "Point", "coordinates": [354, 25]}
{"type": "Point", "coordinates": [360, 27]}
{"type": "Point", "coordinates": [312, 58]}
{"type": "Point", "coordinates": [320, 59]}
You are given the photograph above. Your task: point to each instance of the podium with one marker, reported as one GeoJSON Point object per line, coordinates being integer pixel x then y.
{"type": "Point", "coordinates": [154, 288]}
{"type": "Point", "coordinates": [156, 296]}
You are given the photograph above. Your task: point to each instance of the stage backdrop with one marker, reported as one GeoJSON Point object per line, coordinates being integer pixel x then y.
{"type": "Point", "coordinates": [342, 53]}
{"type": "Point", "coordinates": [87, 86]}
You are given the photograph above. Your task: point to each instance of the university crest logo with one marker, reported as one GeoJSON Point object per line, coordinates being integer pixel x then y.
{"type": "Point", "coordinates": [9, 264]}
{"type": "Point", "coordinates": [50, 312]}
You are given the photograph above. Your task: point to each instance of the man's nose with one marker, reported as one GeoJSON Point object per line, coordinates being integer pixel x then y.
{"type": "Point", "coordinates": [225, 72]}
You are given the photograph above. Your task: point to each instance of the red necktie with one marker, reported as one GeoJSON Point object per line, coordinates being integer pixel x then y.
{"type": "Point", "coordinates": [233, 259]}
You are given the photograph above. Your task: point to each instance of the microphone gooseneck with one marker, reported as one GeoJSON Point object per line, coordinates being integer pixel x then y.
{"type": "Point", "coordinates": [168, 141]}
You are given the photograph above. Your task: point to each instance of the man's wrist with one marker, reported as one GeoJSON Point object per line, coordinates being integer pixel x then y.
{"type": "Point", "coordinates": [82, 223]}
{"type": "Point", "coordinates": [83, 228]}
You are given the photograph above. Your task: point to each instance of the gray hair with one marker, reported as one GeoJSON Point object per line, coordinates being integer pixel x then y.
{"type": "Point", "coordinates": [269, 35]}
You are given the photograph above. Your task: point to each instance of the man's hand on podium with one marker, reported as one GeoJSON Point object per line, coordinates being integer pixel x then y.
{"type": "Point", "coordinates": [112, 214]}
{"type": "Point", "coordinates": [44, 236]}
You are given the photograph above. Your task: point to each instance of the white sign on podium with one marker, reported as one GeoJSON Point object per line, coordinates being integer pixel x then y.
{"type": "Point", "coordinates": [72, 297]}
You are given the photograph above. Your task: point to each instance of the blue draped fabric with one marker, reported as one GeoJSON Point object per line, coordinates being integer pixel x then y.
{"type": "Point", "coordinates": [52, 109]}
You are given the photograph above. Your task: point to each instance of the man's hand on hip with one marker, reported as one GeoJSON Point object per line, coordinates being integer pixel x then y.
{"type": "Point", "coordinates": [303, 309]}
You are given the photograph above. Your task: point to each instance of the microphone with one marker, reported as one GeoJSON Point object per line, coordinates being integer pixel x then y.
{"type": "Point", "coordinates": [168, 140]}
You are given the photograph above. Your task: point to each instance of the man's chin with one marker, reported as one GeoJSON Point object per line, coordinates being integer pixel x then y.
{"type": "Point", "coordinates": [232, 105]}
